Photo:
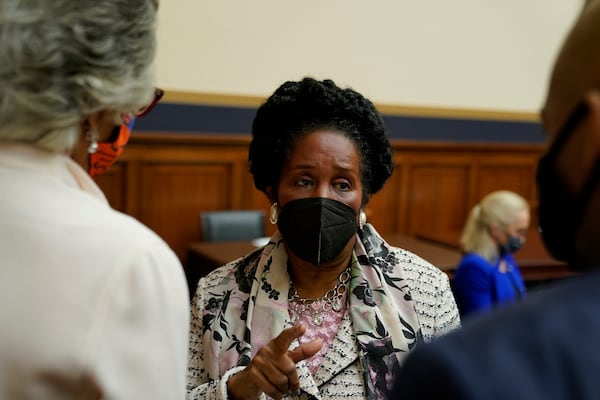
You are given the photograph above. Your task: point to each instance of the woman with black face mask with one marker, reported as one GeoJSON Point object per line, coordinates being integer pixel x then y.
{"type": "Point", "coordinates": [487, 275]}
{"type": "Point", "coordinates": [327, 308]}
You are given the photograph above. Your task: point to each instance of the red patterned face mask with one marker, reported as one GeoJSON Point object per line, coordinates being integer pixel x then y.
{"type": "Point", "coordinates": [108, 152]}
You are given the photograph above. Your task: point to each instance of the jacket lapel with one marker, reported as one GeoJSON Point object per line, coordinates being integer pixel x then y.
{"type": "Point", "coordinates": [307, 383]}
{"type": "Point", "coordinates": [342, 352]}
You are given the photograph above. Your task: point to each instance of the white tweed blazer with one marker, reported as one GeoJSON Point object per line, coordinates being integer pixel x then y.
{"type": "Point", "coordinates": [340, 375]}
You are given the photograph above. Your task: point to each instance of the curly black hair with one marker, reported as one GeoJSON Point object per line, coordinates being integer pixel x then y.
{"type": "Point", "coordinates": [299, 108]}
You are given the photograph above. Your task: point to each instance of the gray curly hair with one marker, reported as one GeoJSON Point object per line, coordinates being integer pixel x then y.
{"type": "Point", "coordinates": [62, 60]}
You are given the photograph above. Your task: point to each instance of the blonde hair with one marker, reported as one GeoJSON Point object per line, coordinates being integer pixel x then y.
{"type": "Point", "coordinates": [498, 208]}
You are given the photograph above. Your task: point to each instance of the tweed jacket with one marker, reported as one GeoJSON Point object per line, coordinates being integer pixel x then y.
{"type": "Point", "coordinates": [341, 374]}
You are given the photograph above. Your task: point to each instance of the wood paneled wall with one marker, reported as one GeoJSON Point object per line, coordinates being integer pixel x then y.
{"type": "Point", "coordinates": [434, 186]}
{"type": "Point", "coordinates": [166, 180]}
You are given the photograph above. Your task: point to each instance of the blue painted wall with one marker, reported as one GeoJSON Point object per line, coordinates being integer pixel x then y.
{"type": "Point", "coordinates": [180, 118]}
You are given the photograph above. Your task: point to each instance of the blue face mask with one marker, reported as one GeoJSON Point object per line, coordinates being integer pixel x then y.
{"type": "Point", "coordinates": [513, 244]}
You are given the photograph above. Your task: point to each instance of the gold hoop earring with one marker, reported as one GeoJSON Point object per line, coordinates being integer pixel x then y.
{"type": "Point", "coordinates": [274, 214]}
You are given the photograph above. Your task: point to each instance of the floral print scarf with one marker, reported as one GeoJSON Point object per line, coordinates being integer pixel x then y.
{"type": "Point", "coordinates": [237, 322]}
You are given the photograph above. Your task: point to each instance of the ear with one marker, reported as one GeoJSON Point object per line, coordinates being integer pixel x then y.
{"type": "Point", "coordinates": [365, 200]}
{"type": "Point", "coordinates": [582, 150]}
{"type": "Point", "coordinates": [271, 194]}
{"type": "Point", "coordinates": [79, 152]}
{"type": "Point", "coordinates": [92, 120]}
{"type": "Point", "coordinates": [495, 232]}
{"type": "Point", "coordinates": [592, 99]}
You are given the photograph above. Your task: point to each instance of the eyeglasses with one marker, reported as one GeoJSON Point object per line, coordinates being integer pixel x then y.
{"type": "Point", "coordinates": [158, 94]}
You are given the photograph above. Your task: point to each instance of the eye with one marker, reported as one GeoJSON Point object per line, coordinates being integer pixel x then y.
{"type": "Point", "coordinates": [303, 182]}
{"type": "Point", "coordinates": [343, 186]}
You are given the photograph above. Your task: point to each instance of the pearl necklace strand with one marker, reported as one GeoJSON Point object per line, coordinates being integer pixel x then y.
{"type": "Point", "coordinates": [331, 300]}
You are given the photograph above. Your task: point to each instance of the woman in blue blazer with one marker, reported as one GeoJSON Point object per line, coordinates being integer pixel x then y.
{"type": "Point", "coordinates": [487, 275]}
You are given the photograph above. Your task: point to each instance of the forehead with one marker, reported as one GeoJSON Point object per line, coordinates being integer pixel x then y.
{"type": "Point", "coordinates": [575, 71]}
{"type": "Point", "coordinates": [560, 99]}
{"type": "Point", "coordinates": [324, 145]}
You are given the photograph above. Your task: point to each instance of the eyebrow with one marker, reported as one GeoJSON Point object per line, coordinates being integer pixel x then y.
{"type": "Point", "coordinates": [346, 168]}
{"type": "Point", "coordinates": [303, 166]}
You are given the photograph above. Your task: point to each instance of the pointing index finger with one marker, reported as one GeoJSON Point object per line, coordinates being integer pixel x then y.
{"type": "Point", "coordinates": [287, 336]}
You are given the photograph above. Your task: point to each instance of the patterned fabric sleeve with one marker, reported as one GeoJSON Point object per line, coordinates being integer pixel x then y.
{"type": "Point", "coordinates": [199, 386]}
{"type": "Point", "coordinates": [447, 317]}
{"type": "Point", "coordinates": [434, 301]}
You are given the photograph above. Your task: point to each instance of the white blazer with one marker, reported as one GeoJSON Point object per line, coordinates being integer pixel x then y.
{"type": "Point", "coordinates": [92, 303]}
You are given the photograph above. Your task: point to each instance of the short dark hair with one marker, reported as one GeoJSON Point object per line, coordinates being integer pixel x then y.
{"type": "Point", "coordinates": [298, 108]}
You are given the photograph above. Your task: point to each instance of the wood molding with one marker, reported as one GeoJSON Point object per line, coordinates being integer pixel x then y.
{"type": "Point", "coordinates": [244, 101]}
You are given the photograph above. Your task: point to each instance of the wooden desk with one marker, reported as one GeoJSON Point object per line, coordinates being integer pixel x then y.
{"type": "Point", "coordinates": [536, 264]}
{"type": "Point", "coordinates": [205, 256]}
{"type": "Point", "coordinates": [442, 256]}
{"type": "Point", "coordinates": [534, 261]}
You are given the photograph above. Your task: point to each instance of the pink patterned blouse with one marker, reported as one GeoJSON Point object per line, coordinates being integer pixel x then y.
{"type": "Point", "coordinates": [326, 331]}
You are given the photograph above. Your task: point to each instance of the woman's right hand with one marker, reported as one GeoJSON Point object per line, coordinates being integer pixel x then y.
{"type": "Point", "coordinates": [273, 369]}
